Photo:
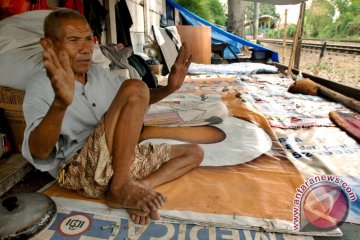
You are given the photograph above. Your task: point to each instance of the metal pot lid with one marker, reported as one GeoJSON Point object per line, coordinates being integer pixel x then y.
{"type": "Point", "coordinates": [23, 215]}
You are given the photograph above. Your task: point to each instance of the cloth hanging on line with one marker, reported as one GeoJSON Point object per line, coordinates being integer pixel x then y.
{"type": "Point", "coordinates": [38, 5]}
{"type": "Point", "coordinates": [123, 23]}
{"type": "Point", "coordinates": [96, 15]}
{"type": "Point", "coordinates": [12, 7]}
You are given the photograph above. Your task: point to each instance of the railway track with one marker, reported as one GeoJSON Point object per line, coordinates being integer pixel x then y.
{"type": "Point", "coordinates": [345, 47]}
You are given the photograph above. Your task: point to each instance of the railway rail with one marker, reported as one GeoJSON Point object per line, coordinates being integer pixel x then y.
{"type": "Point", "coordinates": [345, 47]}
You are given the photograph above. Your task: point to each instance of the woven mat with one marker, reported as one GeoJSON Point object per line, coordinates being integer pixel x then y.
{"type": "Point", "coordinates": [286, 110]}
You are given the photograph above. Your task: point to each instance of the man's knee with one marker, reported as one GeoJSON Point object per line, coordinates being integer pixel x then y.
{"type": "Point", "coordinates": [197, 153]}
{"type": "Point", "coordinates": [135, 90]}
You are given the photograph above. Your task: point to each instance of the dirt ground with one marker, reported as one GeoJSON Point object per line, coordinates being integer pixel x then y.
{"type": "Point", "coordinates": [342, 68]}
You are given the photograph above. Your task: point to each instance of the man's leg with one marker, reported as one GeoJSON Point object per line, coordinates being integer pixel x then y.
{"type": "Point", "coordinates": [123, 123]}
{"type": "Point", "coordinates": [183, 158]}
{"type": "Point", "coordinates": [198, 134]}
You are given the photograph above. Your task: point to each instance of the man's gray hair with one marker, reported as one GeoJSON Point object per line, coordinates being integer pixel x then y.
{"type": "Point", "coordinates": [52, 23]}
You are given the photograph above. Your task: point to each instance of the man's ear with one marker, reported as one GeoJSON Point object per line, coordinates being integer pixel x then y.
{"type": "Point", "coordinates": [45, 43]}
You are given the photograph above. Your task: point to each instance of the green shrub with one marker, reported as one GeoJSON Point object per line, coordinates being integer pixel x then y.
{"type": "Point", "coordinates": [291, 30]}
{"type": "Point", "coordinates": [353, 28]}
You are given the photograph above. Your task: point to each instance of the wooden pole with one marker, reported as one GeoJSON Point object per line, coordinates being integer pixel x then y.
{"type": "Point", "coordinates": [347, 101]}
{"type": "Point", "coordinates": [295, 49]}
{"type": "Point", "coordinates": [292, 56]}
{"type": "Point", "coordinates": [284, 40]}
{"type": "Point", "coordinates": [299, 42]}
{"type": "Point", "coordinates": [256, 20]}
{"type": "Point", "coordinates": [317, 67]}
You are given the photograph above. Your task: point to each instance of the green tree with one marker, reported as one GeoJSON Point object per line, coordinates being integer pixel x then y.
{"type": "Point", "coordinates": [279, 33]}
{"type": "Point", "coordinates": [198, 7]}
{"type": "Point", "coordinates": [217, 11]}
{"type": "Point", "coordinates": [347, 25]}
{"type": "Point", "coordinates": [341, 5]}
{"type": "Point", "coordinates": [319, 19]}
{"type": "Point", "coordinates": [264, 9]}
{"type": "Point", "coordinates": [334, 19]}
{"type": "Point", "coordinates": [210, 10]}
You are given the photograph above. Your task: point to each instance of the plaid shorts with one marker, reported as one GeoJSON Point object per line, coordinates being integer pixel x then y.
{"type": "Point", "coordinates": [90, 171]}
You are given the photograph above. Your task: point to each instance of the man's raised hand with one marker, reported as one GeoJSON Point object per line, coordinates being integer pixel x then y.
{"type": "Point", "coordinates": [179, 69]}
{"type": "Point", "coordinates": [60, 73]}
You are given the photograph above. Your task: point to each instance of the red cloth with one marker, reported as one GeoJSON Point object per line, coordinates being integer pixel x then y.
{"type": "Point", "coordinates": [75, 4]}
{"type": "Point", "coordinates": [349, 122]}
{"type": "Point", "coordinates": [12, 7]}
{"type": "Point", "coordinates": [40, 5]}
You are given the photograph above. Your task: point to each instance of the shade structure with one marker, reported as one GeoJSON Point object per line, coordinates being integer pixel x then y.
{"type": "Point", "coordinates": [278, 2]}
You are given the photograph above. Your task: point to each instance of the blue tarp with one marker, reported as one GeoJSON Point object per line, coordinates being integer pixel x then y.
{"type": "Point", "coordinates": [218, 35]}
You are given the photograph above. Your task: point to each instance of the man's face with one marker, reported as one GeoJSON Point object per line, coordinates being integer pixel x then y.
{"type": "Point", "coordinates": [77, 40]}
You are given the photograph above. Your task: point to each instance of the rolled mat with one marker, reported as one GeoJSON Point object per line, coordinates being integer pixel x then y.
{"type": "Point", "coordinates": [349, 122]}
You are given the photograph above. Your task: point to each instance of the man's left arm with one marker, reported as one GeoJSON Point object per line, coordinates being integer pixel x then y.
{"type": "Point", "coordinates": [176, 77]}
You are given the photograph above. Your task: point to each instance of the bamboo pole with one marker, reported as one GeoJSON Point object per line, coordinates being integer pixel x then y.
{"type": "Point", "coordinates": [284, 40]}
{"type": "Point", "coordinates": [292, 56]}
{"type": "Point", "coordinates": [299, 41]}
{"type": "Point", "coordinates": [309, 87]}
{"type": "Point", "coordinates": [347, 101]}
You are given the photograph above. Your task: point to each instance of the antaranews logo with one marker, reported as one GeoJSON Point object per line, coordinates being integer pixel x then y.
{"type": "Point", "coordinates": [321, 203]}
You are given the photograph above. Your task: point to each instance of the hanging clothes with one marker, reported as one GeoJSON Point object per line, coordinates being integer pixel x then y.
{"type": "Point", "coordinates": [123, 23]}
{"type": "Point", "coordinates": [73, 4]}
{"type": "Point", "coordinates": [96, 15]}
{"type": "Point", "coordinates": [13, 7]}
{"type": "Point", "coordinates": [38, 5]}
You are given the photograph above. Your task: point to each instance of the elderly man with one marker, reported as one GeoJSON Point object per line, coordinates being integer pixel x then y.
{"type": "Point", "coordinates": [84, 123]}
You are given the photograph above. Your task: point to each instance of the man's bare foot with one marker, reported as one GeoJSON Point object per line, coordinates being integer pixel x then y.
{"type": "Point", "coordinates": [143, 218]}
{"type": "Point", "coordinates": [139, 217]}
{"type": "Point", "coordinates": [134, 195]}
